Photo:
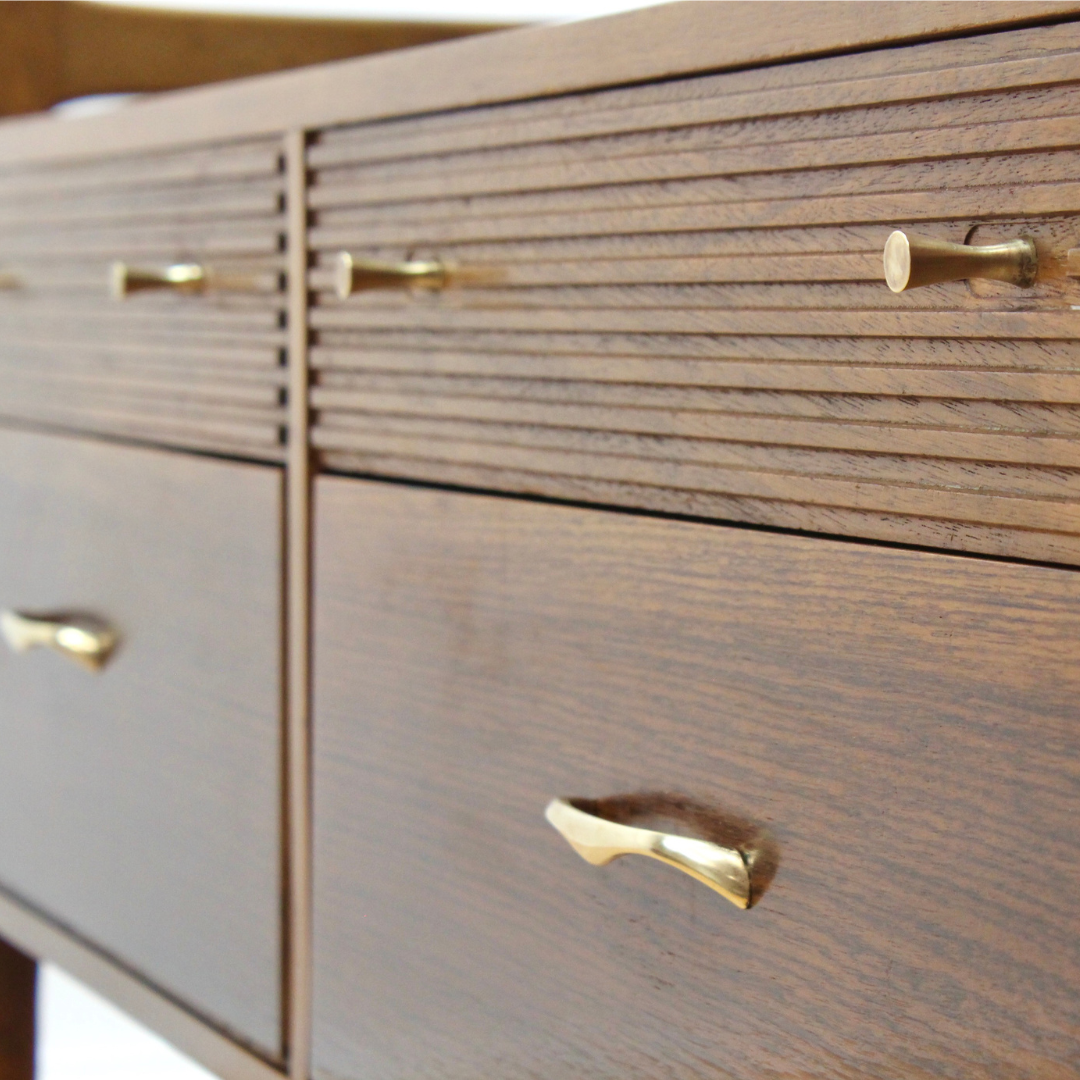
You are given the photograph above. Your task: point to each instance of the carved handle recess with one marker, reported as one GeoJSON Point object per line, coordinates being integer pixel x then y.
{"type": "Point", "coordinates": [911, 261]}
{"type": "Point", "coordinates": [86, 640]}
{"type": "Point", "coordinates": [598, 841]}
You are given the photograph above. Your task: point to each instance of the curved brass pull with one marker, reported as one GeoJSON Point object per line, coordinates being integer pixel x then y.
{"type": "Point", "coordinates": [911, 261]}
{"type": "Point", "coordinates": [86, 640]}
{"type": "Point", "coordinates": [352, 275]}
{"type": "Point", "coordinates": [598, 841]}
{"type": "Point", "coordinates": [9, 282]}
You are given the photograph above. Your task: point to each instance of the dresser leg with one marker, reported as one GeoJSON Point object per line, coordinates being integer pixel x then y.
{"type": "Point", "coordinates": [18, 976]}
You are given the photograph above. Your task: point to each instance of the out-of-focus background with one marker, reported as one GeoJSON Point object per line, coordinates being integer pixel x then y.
{"type": "Point", "coordinates": [516, 11]}
{"type": "Point", "coordinates": [81, 1036]}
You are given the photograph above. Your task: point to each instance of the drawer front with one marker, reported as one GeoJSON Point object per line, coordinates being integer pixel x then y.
{"type": "Point", "coordinates": [203, 371]}
{"type": "Point", "coordinates": [671, 297]}
{"type": "Point", "coordinates": [902, 723]}
{"type": "Point", "coordinates": [140, 806]}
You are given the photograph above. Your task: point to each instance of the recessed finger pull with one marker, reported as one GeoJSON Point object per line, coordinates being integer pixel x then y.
{"type": "Point", "coordinates": [353, 275]}
{"type": "Point", "coordinates": [912, 261]}
{"type": "Point", "coordinates": [84, 639]}
{"type": "Point", "coordinates": [598, 840]}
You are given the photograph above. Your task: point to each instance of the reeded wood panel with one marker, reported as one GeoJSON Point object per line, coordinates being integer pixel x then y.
{"type": "Point", "coordinates": [140, 808]}
{"type": "Point", "coordinates": [904, 723]}
{"type": "Point", "coordinates": [203, 372]}
{"type": "Point", "coordinates": [671, 297]}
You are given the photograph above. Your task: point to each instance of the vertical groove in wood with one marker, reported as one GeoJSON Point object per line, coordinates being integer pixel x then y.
{"type": "Point", "coordinates": [298, 570]}
{"type": "Point", "coordinates": [18, 976]}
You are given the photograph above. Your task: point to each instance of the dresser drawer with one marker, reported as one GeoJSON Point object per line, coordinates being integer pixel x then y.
{"type": "Point", "coordinates": [196, 363]}
{"type": "Point", "coordinates": [895, 730]}
{"type": "Point", "coordinates": [140, 806]}
{"type": "Point", "coordinates": [671, 297]}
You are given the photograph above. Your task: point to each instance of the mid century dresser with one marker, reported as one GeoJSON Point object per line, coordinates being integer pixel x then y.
{"type": "Point", "coordinates": [405, 461]}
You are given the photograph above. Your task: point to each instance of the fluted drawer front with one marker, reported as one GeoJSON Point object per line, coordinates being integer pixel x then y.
{"type": "Point", "coordinates": [671, 297]}
{"type": "Point", "coordinates": [198, 371]}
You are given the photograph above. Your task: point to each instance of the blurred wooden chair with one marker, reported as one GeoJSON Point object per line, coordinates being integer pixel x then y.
{"type": "Point", "coordinates": [54, 50]}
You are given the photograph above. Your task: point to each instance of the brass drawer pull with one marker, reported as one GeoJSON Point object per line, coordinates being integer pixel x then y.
{"type": "Point", "coordinates": [911, 261]}
{"type": "Point", "coordinates": [180, 277]}
{"type": "Point", "coordinates": [191, 278]}
{"type": "Point", "coordinates": [9, 282]}
{"type": "Point", "coordinates": [352, 275]}
{"type": "Point", "coordinates": [86, 640]}
{"type": "Point", "coordinates": [598, 841]}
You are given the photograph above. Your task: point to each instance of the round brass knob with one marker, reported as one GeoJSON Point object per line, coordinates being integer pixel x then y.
{"type": "Point", "coordinates": [911, 261]}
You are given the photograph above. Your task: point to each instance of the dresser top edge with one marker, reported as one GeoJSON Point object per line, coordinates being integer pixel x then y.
{"type": "Point", "coordinates": [670, 40]}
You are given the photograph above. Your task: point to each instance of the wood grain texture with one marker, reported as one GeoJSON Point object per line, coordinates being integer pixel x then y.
{"type": "Point", "coordinates": [298, 624]}
{"type": "Point", "coordinates": [668, 41]}
{"type": "Point", "coordinates": [902, 722]}
{"type": "Point", "coordinates": [196, 372]}
{"type": "Point", "coordinates": [142, 807]}
{"type": "Point", "coordinates": [18, 981]}
{"type": "Point", "coordinates": [673, 294]}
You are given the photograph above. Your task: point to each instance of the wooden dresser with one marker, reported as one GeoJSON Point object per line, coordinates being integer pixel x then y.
{"type": "Point", "coordinates": [406, 460]}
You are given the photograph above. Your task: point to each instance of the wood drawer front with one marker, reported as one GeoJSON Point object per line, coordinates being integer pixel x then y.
{"type": "Point", "coordinates": [140, 807]}
{"type": "Point", "coordinates": [903, 722]}
{"type": "Point", "coordinates": [677, 300]}
{"type": "Point", "coordinates": [203, 372]}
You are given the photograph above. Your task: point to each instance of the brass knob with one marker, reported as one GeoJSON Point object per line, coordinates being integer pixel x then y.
{"type": "Point", "coordinates": [180, 277]}
{"type": "Point", "coordinates": [598, 841]}
{"type": "Point", "coordinates": [911, 261]}
{"type": "Point", "coordinates": [352, 275]}
{"type": "Point", "coordinates": [86, 640]}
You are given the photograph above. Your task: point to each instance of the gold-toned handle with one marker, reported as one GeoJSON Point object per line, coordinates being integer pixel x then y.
{"type": "Point", "coordinates": [83, 638]}
{"type": "Point", "coordinates": [180, 277]}
{"type": "Point", "coordinates": [911, 261]}
{"type": "Point", "coordinates": [352, 275]}
{"type": "Point", "coordinates": [189, 278]}
{"type": "Point", "coordinates": [598, 841]}
{"type": "Point", "coordinates": [9, 282]}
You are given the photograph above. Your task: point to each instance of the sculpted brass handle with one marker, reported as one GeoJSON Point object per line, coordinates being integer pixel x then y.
{"type": "Point", "coordinates": [82, 638]}
{"type": "Point", "coordinates": [911, 261]}
{"type": "Point", "coordinates": [191, 278]}
{"type": "Point", "coordinates": [9, 281]}
{"type": "Point", "coordinates": [352, 275]}
{"type": "Point", "coordinates": [598, 841]}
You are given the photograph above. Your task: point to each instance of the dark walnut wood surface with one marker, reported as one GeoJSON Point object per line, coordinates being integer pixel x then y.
{"type": "Point", "coordinates": [904, 723]}
{"type": "Point", "coordinates": [192, 371]}
{"type": "Point", "coordinates": [671, 297]}
{"type": "Point", "coordinates": [141, 806]}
